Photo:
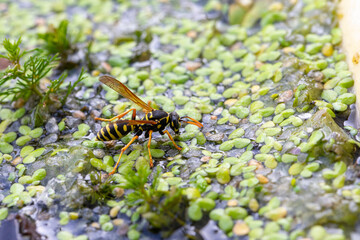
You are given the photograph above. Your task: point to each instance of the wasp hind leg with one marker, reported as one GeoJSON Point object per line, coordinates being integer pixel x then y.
{"type": "Point", "coordinates": [119, 116]}
{"type": "Point", "coordinates": [171, 138]}
{"type": "Point", "coordinates": [149, 143]}
{"type": "Point", "coordinates": [122, 151]}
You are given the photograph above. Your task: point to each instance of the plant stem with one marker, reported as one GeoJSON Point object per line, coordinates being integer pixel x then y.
{"type": "Point", "coordinates": [181, 222]}
{"type": "Point", "coordinates": [36, 90]}
{"type": "Point", "coordinates": [150, 201]}
{"type": "Point", "coordinates": [146, 196]}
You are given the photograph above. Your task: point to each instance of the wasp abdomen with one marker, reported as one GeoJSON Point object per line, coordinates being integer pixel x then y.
{"type": "Point", "coordinates": [114, 131]}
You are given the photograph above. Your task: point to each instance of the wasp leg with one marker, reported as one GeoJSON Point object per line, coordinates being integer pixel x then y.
{"type": "Point", "coordinates": [171, 138]}
{"type": "Point", "coordinates": [122, 151]}
{"type": "Point", "coordinates": [151, 161]}
{"type": "Point", "coordinates": [119, 116]}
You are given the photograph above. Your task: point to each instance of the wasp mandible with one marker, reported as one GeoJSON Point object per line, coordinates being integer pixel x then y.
{"type": "Point", "coordinates": [153, 121]}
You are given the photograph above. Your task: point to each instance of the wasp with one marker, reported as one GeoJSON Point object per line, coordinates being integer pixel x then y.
{"type": "Point", "coordinates": [153, 121]}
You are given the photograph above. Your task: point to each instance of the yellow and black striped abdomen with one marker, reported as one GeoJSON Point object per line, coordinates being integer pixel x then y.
{"type": "Point", "coordinates": [114, 131]}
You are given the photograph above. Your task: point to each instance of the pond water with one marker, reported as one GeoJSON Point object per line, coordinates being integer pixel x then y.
{"type": "Point", "coordinates": [275, 158]}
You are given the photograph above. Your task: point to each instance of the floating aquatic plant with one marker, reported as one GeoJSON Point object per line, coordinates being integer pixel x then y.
{"type": "Point", "coordinates": [271, 162]}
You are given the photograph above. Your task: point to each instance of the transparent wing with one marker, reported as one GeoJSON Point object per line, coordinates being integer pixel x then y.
{"type": "Point", "coordinates": [124, 91]}
{"type": "Point", "coordinates": [136, 122]}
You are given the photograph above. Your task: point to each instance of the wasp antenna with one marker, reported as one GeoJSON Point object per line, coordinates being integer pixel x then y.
{"type": "Point", "coordinates": [193, 121]}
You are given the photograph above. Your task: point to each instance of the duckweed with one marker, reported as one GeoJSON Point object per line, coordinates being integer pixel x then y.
{"type": "Point", "coordinates": [272, 131]}
{"type": "Point", "coordinates": [83, 131]}
{"type": "Point", "coordinates": [192, 193]}
{"type": "Point", "coordinates": [256, 118]}
{"type": "Point", "coordinates": [223, 175]}
{"type": "Point", "coordinates": [236, 169]}
{"type": "Point", "coordinates": [21, 141]}
{"type": "Point", "coordinates": [236, 212]}
{"type": "Point", "coordinates": [133, 234]}
{"type": "Point", "coordinates": [241, 142]}
{"type": "Point", "coordinates": [25, 179]}
{"type": "Point", "coordinates": [270, 162]}
{"type": "Point", "coordinates": [3, 213]}
{"type": "Point", "coordinates": [98, 164]}
{"type": "Point", "coordinates": [226, 146]}
{"type": "Point", "coordinates": [26, 151]}
{"type": "Point", "coordinates": [9, 137]}
{"type": "Point", "coordinates": [339, 181]}
{"type": "Point", "coordinates": [5, 114]}
{"type": "Point", "coordinates": [64, 218]}
{"type": "Point", "coordinates": [266, 112]}
{"type": "Point", "coordinates": [347, 98]}
{"type": "Point", "coordinates": [39, 174]}
{"type": "Point", "coordinates": [6, 147]}
{"type": "Point", "coordinates": [19, 113]}
{"type": "Point", "coordinates": [93, 144]}
{"type": "Point", "coordinates": [36, 133]}
{"type": "Point", "coordinates": [288, 158]}
{"type": "Point", "coordinates": [242, 112]}
{"type": "Point", "coordinates": [225, 223]}
{"type": "Point", "coordinates": [197, 66]}
{"type": "Point", "coordinates": [61, 125]}
{"type": "Point", "coordinates": [107, 227]}
{"type": "Point", "coordinates": [317, 232]}
{"type": "Point", "coordinates": [157, 153]}
{"type": "Point", "coordinates": [296, 168]}
{"type": "Point", "coordinates": [194, 212]}
{"type": "Point", "coordinates": [38, 152]}
{"type": "Point", "coordinates": [206, 204]}
{"type": "Point", "coordinates": [250, 182]}
{"type": "Point", "coordinates": [329, 174]}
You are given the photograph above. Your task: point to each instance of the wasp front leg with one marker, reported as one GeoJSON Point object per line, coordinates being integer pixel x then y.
{"type": "Point", "coordinates": [171, 138]}
{"type": "Point", "coordinates": [119, 116]}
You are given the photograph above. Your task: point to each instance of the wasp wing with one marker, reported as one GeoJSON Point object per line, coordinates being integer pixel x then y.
{"type": "Point", "coordinates": [124, 91]}
{"type": "Point", "coordinates": [136, 122]}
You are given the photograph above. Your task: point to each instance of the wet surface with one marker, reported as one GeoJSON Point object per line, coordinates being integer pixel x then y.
{"type": "Point", "coordinates": [271, 161]}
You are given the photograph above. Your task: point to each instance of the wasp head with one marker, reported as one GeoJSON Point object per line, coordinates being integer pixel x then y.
{"type": "Point", "coordinates": [175, 122]}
